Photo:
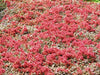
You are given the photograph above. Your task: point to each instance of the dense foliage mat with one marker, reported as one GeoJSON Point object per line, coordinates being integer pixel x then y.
{"type": "Point", "coordinates": [50, 37]}
{"type": "Point", "coordinates": [2, 5]}
{"type": "Point", "coordinates": [93, 0]}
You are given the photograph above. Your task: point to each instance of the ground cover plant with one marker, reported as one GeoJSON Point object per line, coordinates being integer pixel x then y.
{"type": "Point", "coordinates": [50, 37]}
{"type": "Point", "coordinates": [93, 0]}
{"type": "Point", "coordinates": [96, 0]}
{"type": "Point", "coordinates": [2, 5]}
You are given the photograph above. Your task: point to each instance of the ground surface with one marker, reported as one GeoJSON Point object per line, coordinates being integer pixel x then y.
{"type": "Point", "coordinates": [50, 37]}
